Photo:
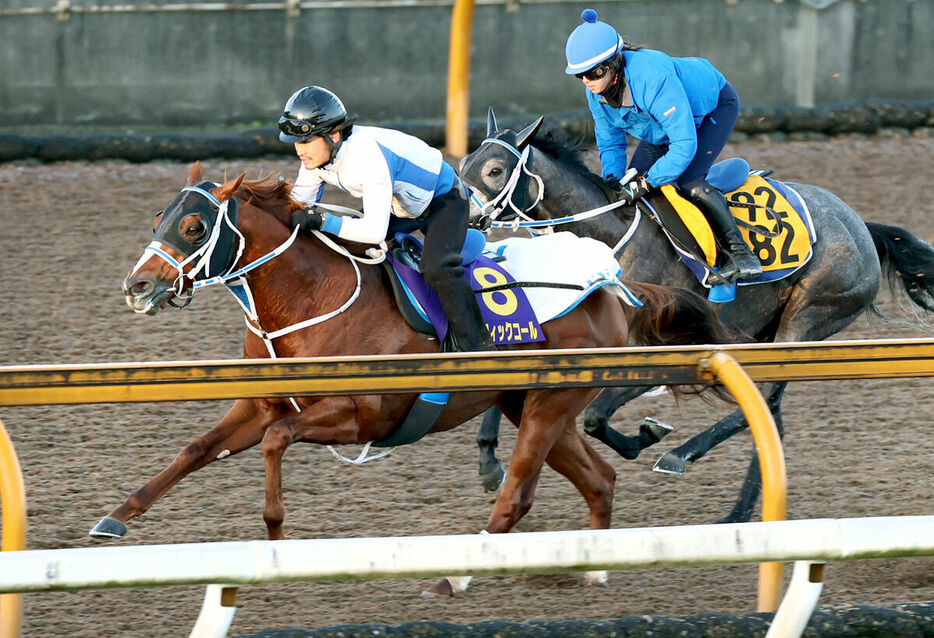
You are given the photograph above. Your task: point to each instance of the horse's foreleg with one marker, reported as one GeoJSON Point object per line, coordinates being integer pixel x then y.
{"type": "Point", "coordinates": [597, 418]}
{"type": "Point", "coordinates": [492, 472]}
{"type": "Point", "coordinates": [241, 428]}
{"type": "Point", "coordinates": [331, 420]}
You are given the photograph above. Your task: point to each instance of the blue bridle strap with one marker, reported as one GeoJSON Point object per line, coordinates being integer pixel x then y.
{"type": "Point", "coordinates": [198, 189]}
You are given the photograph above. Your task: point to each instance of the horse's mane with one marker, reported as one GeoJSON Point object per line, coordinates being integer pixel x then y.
{"type": "Point", "coordinates": [271, 193]}
{"type": "Point", "coordinates": [570, 154]}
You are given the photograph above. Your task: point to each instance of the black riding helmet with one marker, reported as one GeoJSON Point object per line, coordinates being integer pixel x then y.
{"type": "Point", "coordinates": [310, 111]}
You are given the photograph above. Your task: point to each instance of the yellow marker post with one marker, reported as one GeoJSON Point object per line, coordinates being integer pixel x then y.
{"type": "Point", "coordinates": [771, 462]}
{"type": "Point", "coordinates": [13, 500]}
{"type": "Point", "coordinates": [458, 102]}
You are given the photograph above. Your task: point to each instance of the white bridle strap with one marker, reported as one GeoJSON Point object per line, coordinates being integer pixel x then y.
{"type": "Point", "coordinates": [503, 200]}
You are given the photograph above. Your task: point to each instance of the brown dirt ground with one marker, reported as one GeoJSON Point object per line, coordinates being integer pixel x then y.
{"type": "Point", "coordinates": [68, 234]}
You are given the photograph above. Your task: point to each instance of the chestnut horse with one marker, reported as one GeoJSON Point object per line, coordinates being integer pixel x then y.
{"type": "Point", "coordinates": [203, 235]}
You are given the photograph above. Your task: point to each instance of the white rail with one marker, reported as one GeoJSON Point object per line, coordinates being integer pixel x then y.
{"type": "Point", "coordinates": [250, 562]}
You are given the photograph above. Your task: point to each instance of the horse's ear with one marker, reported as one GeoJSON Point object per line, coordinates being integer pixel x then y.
{"type": "Point", "coordinates": [226, 191]}
{"type": "Point", "coordinates": [490, 123]}
{"type": "Point", "coordinates": [194, 174]}
{"type": "Point", "coordinates": [525, 135]}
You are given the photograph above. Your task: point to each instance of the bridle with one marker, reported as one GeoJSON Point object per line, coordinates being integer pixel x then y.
{"type": "Point", "coordinates": [200, 260]}
{"type": "Point", "coordinates": [520, 174]}
{"type": "Point", "coordinates": [234, 278]}
{"type": "Point", "coordinates": [239, 287]}
{"type": "Point", "coordinates": [520, 217]}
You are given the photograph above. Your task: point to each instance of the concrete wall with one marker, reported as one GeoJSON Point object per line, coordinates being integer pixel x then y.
{"type": "Point", "coordinates": [211, 68]}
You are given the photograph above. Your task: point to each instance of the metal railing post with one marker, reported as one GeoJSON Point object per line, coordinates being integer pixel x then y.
{"type": "Point", "coordinates": [771, 462]}
{"type": "Point", "coordinates": [458, 101]}
{"type": "Point", "coordinates": [13, 500]}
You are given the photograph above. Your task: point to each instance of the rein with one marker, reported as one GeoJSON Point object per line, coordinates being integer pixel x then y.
{"type": "Point", "coordinates": [240, 289]}
{"type": "Point", "coordinates": [523, 220]}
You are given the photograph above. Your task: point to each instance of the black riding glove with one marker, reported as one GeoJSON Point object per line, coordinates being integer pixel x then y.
{"type": "Point", "coordinates": [636, 190]}
{"type": "Point", "coordinates": [613, 182]}
{"type": "Point", "coordinates": [307, 220]}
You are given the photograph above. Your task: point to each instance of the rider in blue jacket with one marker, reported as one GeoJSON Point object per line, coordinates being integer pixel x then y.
{"type": "Point", "coordinates": [681, 109]}
{"type": "Point", "coordinates": [403, 182]}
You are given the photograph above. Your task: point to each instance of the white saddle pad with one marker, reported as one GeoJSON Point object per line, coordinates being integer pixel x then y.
{"type": "Point", "coordinates": [561, 258]}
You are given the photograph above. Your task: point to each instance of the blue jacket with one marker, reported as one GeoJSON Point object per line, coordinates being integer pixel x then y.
{"type": "Point", "coordinates": [665, 101]}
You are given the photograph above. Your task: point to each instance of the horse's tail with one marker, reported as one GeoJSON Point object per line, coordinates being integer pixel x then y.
{"type": "Point", "coordinates": [675, 317]}
{"type": "Point", "coordinates": [907, 263]}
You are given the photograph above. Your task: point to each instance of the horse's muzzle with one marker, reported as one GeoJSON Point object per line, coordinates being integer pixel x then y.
{"type": "Point", "coordinates": [146, 296]}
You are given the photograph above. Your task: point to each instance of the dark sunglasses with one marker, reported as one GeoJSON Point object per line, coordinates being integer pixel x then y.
{"type": "Point", "coordinates": [595, 73]}
{"type": "Point", "coordinates": [298, 128]}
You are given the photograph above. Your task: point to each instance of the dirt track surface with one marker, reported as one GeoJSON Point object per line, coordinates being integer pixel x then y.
{"type": "Point", "coordinates": [69, 233]}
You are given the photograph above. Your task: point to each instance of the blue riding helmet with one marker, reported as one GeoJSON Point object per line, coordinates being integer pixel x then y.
{"type": "Point", "coordinates": [591, 43]}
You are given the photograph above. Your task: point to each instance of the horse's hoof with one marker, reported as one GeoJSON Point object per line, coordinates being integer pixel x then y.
{"type": "Point", "coordinates": [108, 528]}
{"type": "Point", "coordinates": [655, 429]}
{"type": "Point", "coordinates": [441, 588]}
{"type": "Point", "coordinates": [596, 577]}
{"type": "Point", "coordinates": [668, 463]}
{"type": "Point", "coordinates": [493, 479]}
{"type": "Point", "coordinates": [448, 586]}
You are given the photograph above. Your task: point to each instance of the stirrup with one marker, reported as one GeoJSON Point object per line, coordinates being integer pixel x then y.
{"type": "Point", "coordinates": [744, 264]}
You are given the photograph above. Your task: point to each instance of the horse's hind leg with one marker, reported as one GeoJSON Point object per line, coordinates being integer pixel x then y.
{"type": "Point", "coordinates": [241, 428]}
{"type": "Point", "coordinates": [492, 473]}
{"type": "Point", "coordinates": [675, 461]}
{"type": "Point", "coordinates": [539, 432]}
{"type": "Point", "coordinates": [593, 477]}
{"type": "Point", "coordinates": [752, 486]}
{"type": "Point", "coordinates": [597, 418]}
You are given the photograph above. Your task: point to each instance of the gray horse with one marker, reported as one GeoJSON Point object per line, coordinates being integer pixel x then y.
{"type": "Point", "coordinates": [839, 283]}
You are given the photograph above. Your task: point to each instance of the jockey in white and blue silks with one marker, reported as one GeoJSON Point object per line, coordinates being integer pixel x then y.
{"type": "Point", "coordinates": [404, 184]}
{"type": "Point", "coordinates": [681, 109]}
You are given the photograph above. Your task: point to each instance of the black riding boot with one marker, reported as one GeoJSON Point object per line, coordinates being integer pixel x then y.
{"type": "Point", "coordinates": [743, 265]}
{"type": "Point", "coordinates": [465, 323]}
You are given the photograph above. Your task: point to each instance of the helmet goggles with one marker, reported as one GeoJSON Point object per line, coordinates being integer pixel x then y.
{"type": "Point", "coordinates": [297, 128]}
{"type": "Point", "coordinates": [595, 73]}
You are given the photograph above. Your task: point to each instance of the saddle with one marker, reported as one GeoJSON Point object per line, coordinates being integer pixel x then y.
{"type": "Point", "coordinates": [421, 308]}
{"type": "Point", "coordinates": [771, 216]}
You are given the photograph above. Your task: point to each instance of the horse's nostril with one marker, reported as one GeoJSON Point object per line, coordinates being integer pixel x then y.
{"type": "Point", "coordinates": [137, 287]}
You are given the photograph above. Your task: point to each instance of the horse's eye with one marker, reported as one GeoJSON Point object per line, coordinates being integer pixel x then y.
{"type": "Point", "coordinates": [195, 232]}
{"type": "Point", "coordinates": [496, 172]}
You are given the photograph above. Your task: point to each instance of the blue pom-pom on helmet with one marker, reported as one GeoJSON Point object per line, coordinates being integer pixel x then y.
{"type": "Point", "coordinates": [591, 43]}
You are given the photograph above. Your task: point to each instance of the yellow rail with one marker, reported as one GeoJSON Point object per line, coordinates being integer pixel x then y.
{"type": "Point", "coordinates": [736, 366]}
{"type": "Point", "coordinates": [227, 379]}
{"type": "Point", "coordinates": [13, 501]}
